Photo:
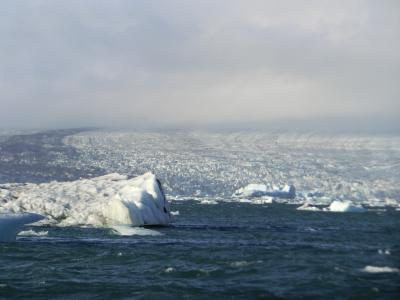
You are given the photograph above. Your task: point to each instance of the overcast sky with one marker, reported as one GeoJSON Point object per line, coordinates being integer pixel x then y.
{"type": "Point", "coordinates": [199, 62]}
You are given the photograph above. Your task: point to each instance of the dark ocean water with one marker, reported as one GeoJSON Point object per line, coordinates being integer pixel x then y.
{"type": "Point", "coordinates": [223, 251]}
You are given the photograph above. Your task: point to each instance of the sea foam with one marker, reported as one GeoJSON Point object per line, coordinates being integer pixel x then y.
{"type": "Point", "coordinates": [130, 231]}
{"type": "Point", "coordinates": [374, 269]}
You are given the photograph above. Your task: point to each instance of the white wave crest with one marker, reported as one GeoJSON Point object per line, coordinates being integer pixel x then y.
{"type": "Point", "coordinates": [33, 233]}
{"type": "Point", "coordinates": [374, 269]}
{"type": "Point", "coordinates": [130, 231]}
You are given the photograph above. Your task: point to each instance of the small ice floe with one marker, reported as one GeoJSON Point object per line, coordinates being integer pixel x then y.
{"type": "Point", "coordinates": [309, 207]}
{"type": "Point", "coordinates": [374, 269]}
{"type": "Point", "coordinates": [259, 190]}
{"type": "Point", "coordinates": [33, 233]}
{"type": "Point", "coordinates": [205, 201]}
{"type": "Point", "coordinates": [344, 206]}
{"type": "Point", "coordinates": [12, 223]}
{"type": "Point", "coordinates": [175, 213]}
{"type": "Point", "coordinates": [130, 231]}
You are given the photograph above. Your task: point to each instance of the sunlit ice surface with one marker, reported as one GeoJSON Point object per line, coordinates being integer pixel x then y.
{"type": "Point", "coordinates": [323, 168]}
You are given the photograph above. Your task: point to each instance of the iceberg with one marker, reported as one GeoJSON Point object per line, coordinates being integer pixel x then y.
{"type": "Point", "coordinates": [251, 190]}
{"type": "Point", "coordinates": [344, 206]}
{"type": "Point", "coordinates": [103, 201]}
{"type": "Point", "coordinates": [11, 224]}
{"type": "Point", "coordinates": [259, 190]}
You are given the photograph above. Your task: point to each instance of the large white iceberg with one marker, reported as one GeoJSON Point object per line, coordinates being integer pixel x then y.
{"type": "Point", "coordinates": [259, 190]}
{"type": "Point", "coordinates": [102, 201]}
{"type": "Point", "coordinates": [11, 224]}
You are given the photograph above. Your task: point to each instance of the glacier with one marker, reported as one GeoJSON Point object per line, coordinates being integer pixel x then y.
{"type": "Point", "coordinates": [205, 164]}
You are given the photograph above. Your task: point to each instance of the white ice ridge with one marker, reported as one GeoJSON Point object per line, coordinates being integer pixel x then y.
{"type": "Point", "coordinates": [258, 190]}
{"type": "Point", "coordinates": [103, 201]}
{"type": "Point", "coordinates": [11, 224]}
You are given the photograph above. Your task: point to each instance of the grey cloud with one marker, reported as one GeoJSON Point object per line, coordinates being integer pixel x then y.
{"type": "Point", "coordinates": [131, 63]}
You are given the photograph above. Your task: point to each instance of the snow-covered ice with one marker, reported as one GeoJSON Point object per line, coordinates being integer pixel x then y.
{"type": "Point", "coordinates": [103, 201]}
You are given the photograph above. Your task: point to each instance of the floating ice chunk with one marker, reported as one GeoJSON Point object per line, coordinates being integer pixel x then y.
{"type": "Point", "coordinates": [175, 213]}
{"type": "Point", "coordinates": [129, 231]}
{"type": "Point", "coordinates": [11, 224]}
{"type": "Point", "coordinates": [251, 190]}
{"type": "Point", "coordinates": [309, 207]}
{"type": "Point", "coordinates": [259, 190]}
{"type": "Point", "coordinates": [208, 202]}
{"type": "Point", "coordinates": [344, 206]}
{"type": "Point", "coordinates": [374, 269]}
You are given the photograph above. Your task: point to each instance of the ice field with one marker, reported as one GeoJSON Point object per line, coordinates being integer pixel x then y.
{"type": "Point", "coordinates": [323, 168]}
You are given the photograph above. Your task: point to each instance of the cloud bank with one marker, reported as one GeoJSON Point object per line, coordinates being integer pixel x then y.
{"type": "Point", "coordinates": [211, 62]}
